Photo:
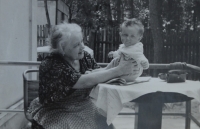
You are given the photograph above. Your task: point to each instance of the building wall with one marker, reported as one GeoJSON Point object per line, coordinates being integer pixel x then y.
{"type": "Point", "coordinates": [62, 10]}
{"type": "Point", "coordinates": [41, 15]}
{"type": "Point", "coordinates": [18, 41]}
{"type": "Point", "coordinates": [63, 7]}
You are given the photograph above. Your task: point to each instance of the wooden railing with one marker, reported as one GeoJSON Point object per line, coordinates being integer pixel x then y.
{"type": "Point", "coordinates": [177, 65]}
{"type": "Point", "coordinates": [24, 63]}
{"type": "Point", "coordinates": [29, 63]}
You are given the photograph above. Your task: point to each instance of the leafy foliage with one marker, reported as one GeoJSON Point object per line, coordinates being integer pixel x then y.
{"type": "Point", "coordinates": [180, 15]}
{"type": "Point", "coordinates": [100, 13]}
{"type": "Point", "coordinates": [177, 15]}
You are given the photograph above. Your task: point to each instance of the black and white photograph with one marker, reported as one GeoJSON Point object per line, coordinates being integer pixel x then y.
{"type": "Point", "coordinates": [99, 64]}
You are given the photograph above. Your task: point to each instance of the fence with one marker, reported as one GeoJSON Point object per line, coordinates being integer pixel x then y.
{"type": "Point", "coordinates": [178, 47]}
{"type": "Point", "coordinates": [42, 34]}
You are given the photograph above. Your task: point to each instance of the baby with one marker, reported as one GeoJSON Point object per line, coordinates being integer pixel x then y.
{"type": "Point", "coordinates": [131, 32]}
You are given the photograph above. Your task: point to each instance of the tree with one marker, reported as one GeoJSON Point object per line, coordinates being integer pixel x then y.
{"type": "Point", "coordinates": [100, 13]}
{"type": "Point", "coordinates": [180, 15]}
{"type": "Point", "coordinates": [47, 16]}
{"type": "Point", "coordinates": [155, 7]}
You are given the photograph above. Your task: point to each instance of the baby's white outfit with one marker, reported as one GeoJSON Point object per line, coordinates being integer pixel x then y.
{"type": "Point", "coordinates": [134, 52]}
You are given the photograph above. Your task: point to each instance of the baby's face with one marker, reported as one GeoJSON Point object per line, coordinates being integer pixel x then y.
{"type": "Point", "coordinates": [130, 35]}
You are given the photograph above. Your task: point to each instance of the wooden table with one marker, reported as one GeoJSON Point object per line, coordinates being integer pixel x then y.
{"type": "Point", "coordinates": [150, 109]}
{"type": "Point", "coordinates": [150, 96]}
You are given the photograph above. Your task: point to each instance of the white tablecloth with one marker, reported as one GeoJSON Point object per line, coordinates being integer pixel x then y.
{"type": "Point", "coordinates": [110, 98]}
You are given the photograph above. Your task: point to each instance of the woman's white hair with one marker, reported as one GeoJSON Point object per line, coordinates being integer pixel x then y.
{"type": "Point", "coordinates": [58, 31]}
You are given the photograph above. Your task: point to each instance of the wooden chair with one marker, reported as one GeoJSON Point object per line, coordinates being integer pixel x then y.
{"type": "Point", "coordinates": [30, 92]}
{"type": "Point", "coordinates": [31, 89]}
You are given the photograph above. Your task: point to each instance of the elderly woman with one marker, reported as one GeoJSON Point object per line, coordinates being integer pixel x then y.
{"type": "Point", "coordinates": [64, 88]}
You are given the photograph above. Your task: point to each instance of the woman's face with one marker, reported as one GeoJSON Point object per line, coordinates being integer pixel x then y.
{"type": "Point", "coordinates": [73, 49]}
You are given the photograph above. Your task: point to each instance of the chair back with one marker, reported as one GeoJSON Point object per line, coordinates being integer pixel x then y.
{"type": "Point", "coordinates": [30, 91]}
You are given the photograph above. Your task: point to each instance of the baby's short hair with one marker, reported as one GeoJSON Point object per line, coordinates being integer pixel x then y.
{"type": "Point", "coordinates": [132, 22]}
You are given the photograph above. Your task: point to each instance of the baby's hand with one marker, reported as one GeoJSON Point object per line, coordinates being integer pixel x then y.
{"type": "Point", "coordinates": [110, 54]}
{"type": "Point", "coordinates": [145, 64]}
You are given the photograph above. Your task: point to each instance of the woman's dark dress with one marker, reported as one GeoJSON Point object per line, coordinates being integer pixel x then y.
{"type": "Point", "coordinates": [59, 106]}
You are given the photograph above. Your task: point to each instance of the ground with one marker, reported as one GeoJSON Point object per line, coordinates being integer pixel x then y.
{"type": "Point", "coordinates": [168, 122]}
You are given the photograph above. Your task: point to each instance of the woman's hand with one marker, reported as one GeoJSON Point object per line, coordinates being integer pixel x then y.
{"type": "Point", "coordinates": [136, 68]}
{"type": "Point", "coordinates": [129, 65]}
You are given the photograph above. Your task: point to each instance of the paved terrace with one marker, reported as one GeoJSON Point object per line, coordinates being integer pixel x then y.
{"type": "Point", "coordinates": [127, 121]}
{"type": "Point", "coordinates": [168, 122]}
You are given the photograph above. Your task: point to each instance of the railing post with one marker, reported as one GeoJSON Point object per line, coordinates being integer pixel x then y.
{"type": "Point", "coordinates": [188, 113]}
